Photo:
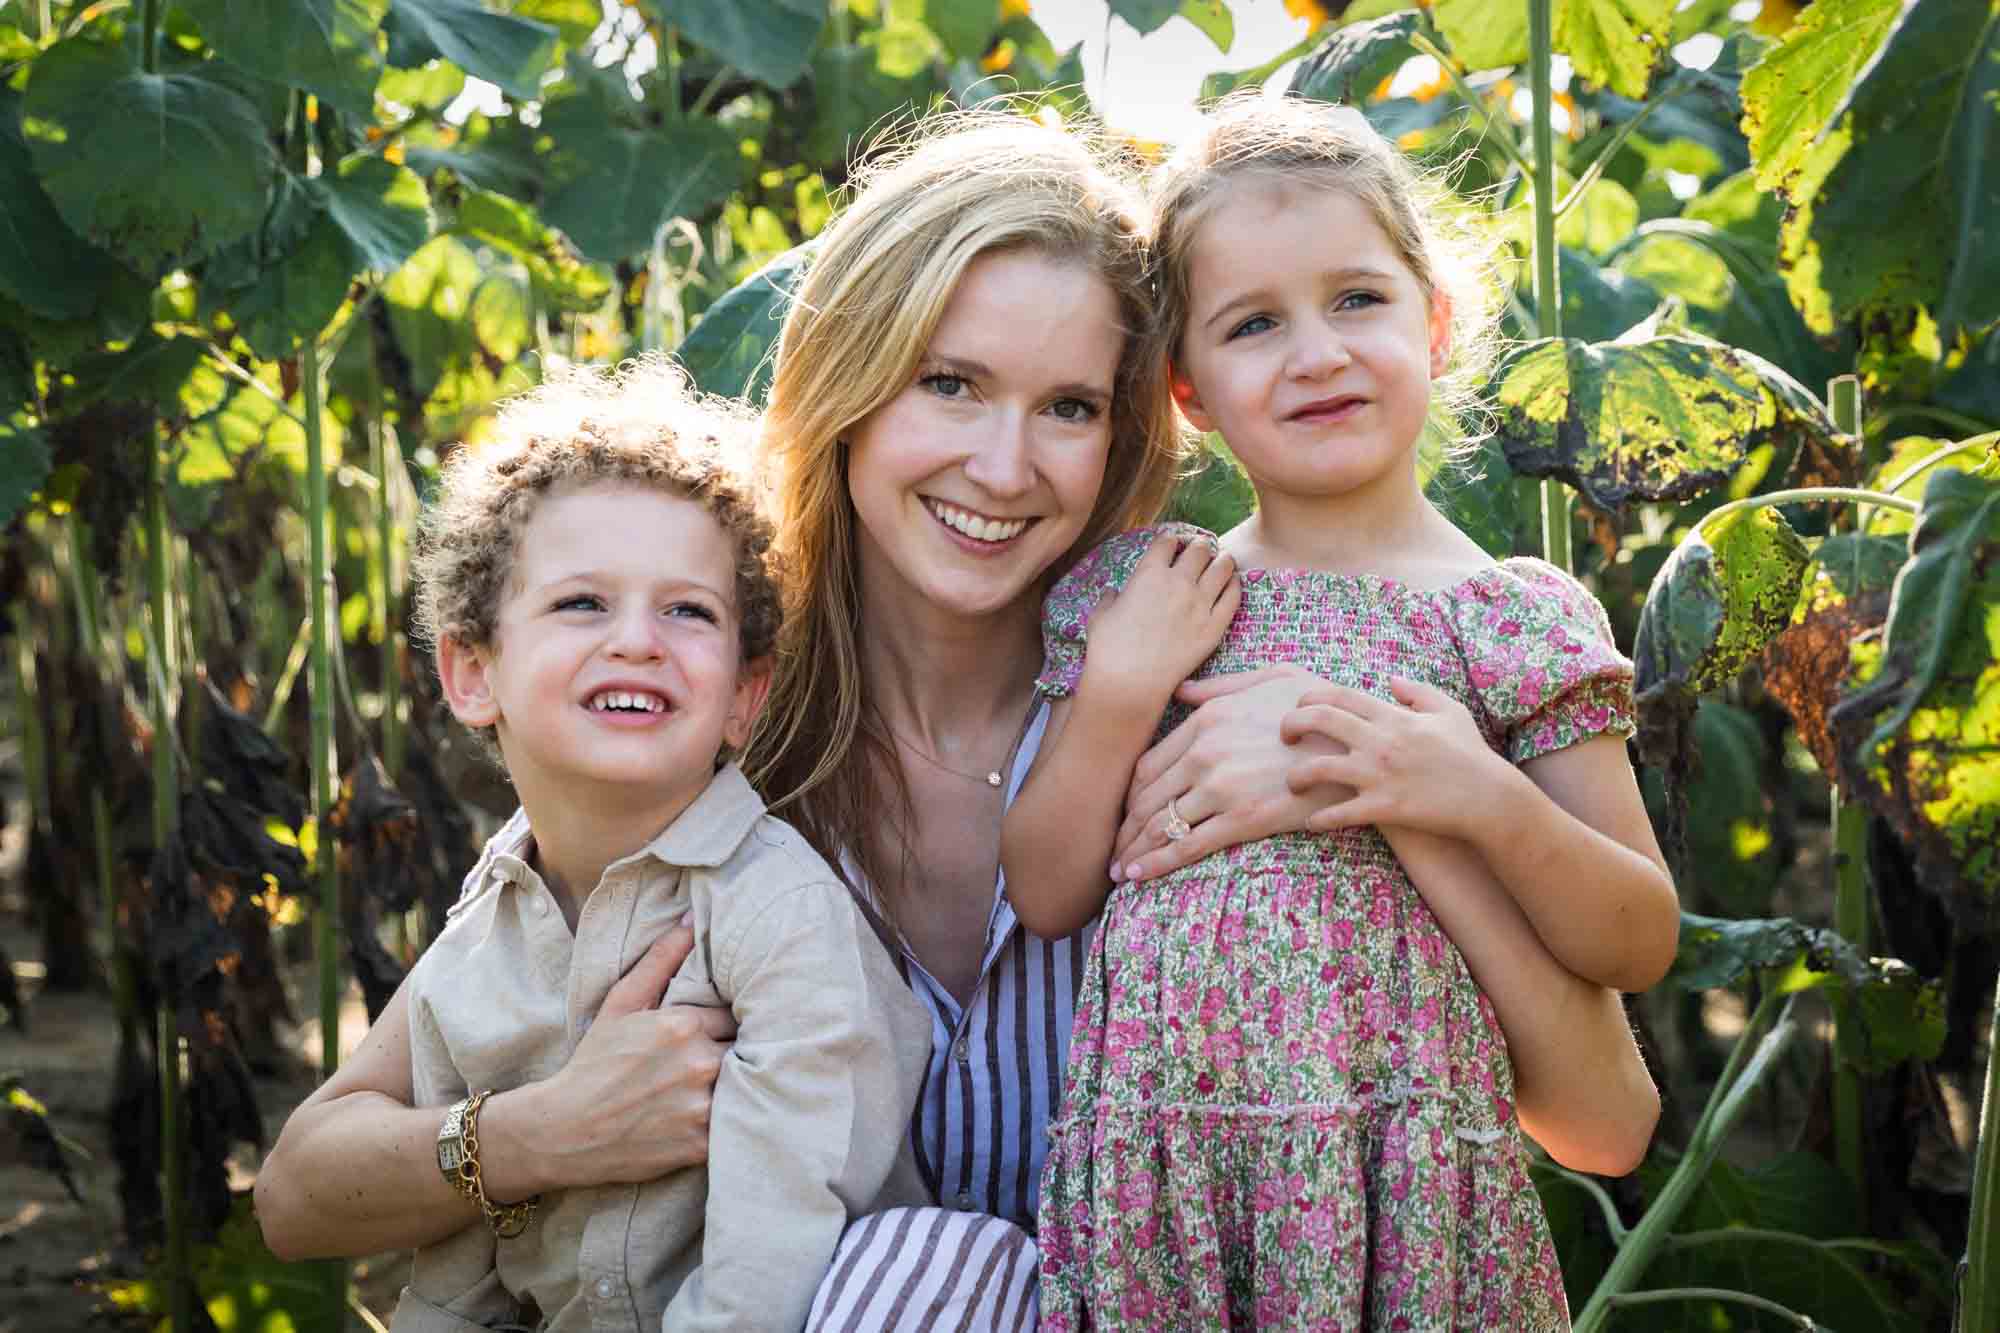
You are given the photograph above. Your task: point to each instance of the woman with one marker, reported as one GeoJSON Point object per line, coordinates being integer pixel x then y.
{"type": "Point", "coordinates": [959, 408]}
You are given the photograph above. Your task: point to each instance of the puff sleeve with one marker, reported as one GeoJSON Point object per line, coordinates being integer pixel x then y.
{"type": "Point", "coordinates": [1066, 610]}
{"type": "Point", "coordinates": [1542, 660]}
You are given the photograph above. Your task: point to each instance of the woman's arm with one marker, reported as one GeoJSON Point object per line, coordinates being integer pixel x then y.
{"type": "Point", "coordinates": [1056, 841]}
{"type": "Point", "coordinates": [354, 1171]}
{"type": "Point", "coordinates": [1581, 1089]}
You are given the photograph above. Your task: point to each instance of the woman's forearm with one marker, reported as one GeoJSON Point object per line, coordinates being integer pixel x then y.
{"type": "Point", "coordinates": [1581, 1089]}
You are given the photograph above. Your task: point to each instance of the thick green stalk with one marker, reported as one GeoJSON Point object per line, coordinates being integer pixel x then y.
{"type": "Point", "coordinates": [1979, 1281]}
{"type": "Point", "coordinates": [387, 463]}
{"type": "Point", "coordinates": [1850, 877]}
{"type": "Point", "coordinates": [1726, 1104]}
{"type": "Point", "coordinates": [1548, 297]}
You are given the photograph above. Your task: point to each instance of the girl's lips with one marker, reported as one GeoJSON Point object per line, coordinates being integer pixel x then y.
{"type": "Point", "coordinates": [1329, 409]}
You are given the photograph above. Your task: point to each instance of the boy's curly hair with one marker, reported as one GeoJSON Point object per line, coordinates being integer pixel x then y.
{"type": "Point", "coordinates": [643, 423]}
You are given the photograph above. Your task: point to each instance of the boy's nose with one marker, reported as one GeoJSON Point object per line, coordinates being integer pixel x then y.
{"type": "Point", "coordinates": [636, 637]}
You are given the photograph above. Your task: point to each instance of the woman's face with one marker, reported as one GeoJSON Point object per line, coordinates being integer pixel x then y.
{"type": "Point", "coordinates": [983, 470]}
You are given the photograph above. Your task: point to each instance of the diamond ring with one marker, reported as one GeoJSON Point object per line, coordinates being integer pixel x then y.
{"type": "Point", "coordinates": [1177, 828]}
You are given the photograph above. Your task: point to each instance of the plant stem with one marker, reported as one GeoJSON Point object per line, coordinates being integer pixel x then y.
{"type": "Point", "coordinates": [319, 586]}
{"type": "Point", "coordinates": [714, 86]}
{"type": "Point", "coordinates": [1803, 1321]}
{"type": "Point", "coordinates": [1726, 1104]}
{"type": "Point", "coordinates": [1548, 297]}
{"type": "Point", "coordinates": [149, 50]}
{"type": "Point", "coordinates": [1798, 494]}
{"type": "Point", "coordinates": [1979, 1273]}
{"type": "Point", "coordinates": [1603, 159]}
{"type": "Point", "coordinates": [387, 463]}
{"type": "Point", "coordinates": [1850, 878]}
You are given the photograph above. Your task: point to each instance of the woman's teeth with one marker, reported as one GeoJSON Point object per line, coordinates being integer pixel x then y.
{"type": "Point", "coordinates": [975, 527]}
{"type": "Point", "coordinates": [628, 702]}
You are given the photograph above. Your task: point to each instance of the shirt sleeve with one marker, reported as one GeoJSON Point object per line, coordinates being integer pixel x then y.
{"type": "Point", "coordinates": [811, 1110]}
{"type": "Point", "coordinates": [1066, 610]}
{"type": "Point", "coordinates": [1544, 662]}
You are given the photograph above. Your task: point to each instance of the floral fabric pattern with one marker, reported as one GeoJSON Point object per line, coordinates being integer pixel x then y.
{"type": "Point", "coordinates": [1288, 1105]}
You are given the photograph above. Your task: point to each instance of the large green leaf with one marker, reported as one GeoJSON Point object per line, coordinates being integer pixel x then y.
{"type": "Point", "coordinates": [619, 185]}
{"type": "Point", "coordinates": [1615, 43]}
{"type": "Point", "coordinates": [1920, 733]}
{"type": "Point", "coordinates": [1907, 472]}
{"type": "Point", "coordinates": [499, 48]}
{"type": "Point", "coordinates": [560, 276]}
{"type": "Point", "coordinates": [1895, 205]}
{"type": "Point", "coordinates": [1481, 496]}
{"type": "Point", "coordinates": [383, 210]}
{"type": "Point", "coordinates": [770, 40]}
{"type": "Point", "coordinates": [1599, 304]}
{"type": "Point", "coordinates": [1726, 591]}
{"type": "Point", "coordinates": [1887, 1013]}
{"type": "Point", "coordinates": [1661, 419]}
{"type": "Point", "coordinates": [157, 168]}
{"type": "Point", "coordinates": [43, 264]}
{"type": "Point", "coordinates": [328, 47]}
{"type": "Point", "coordinates": [427, 300]}
{"type": "Point", "coordinates": [295, 204]}
{"type": "Point", "coordinates": [729, 351]}
{"type": "Point", "coordinates": [1353, 60]}
{"type": "Point", "coordinates": [964, 26]}
{"type": "Point", "coordinates": [153, 370]}
{"type": "Point", "coordinates": [1145, 15]}
{"type": "Point", "coordinates": [853, 96]}
{"type": "Point", "coordinates": [294, 299]}
{"type": "Point", "coordinates": [1793, 92]}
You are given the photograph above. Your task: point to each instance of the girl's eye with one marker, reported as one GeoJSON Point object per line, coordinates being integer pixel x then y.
{"type": "Point", "coordinates": [1357, 300]}
{"type": "Point", "coordinates": [580, 602]}
{"type": "Point", "coordinates": [695, 610]}
{"type": "Point", "coordinates": [1076, 411]}
{"type": "Point", "coordinates": [1252, 325]}
{"type": "Point", "coordinates": [945, 384]}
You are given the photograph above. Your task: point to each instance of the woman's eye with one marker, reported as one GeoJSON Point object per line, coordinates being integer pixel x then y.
{"type": "Point", "coordinates": [945, 384]}
{"type": "Point", "coordinates": [1074, 410]}
{"type": "Point", "coordinates": [1254, 324]}
{"type": "Point", "coordinates": [580, 602]}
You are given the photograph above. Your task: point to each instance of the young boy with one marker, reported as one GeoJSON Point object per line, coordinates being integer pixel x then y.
{"type": "Point", "coordinates": [594, 580]}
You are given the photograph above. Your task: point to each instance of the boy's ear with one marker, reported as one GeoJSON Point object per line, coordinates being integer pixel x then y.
{"type": "Point", "coordinates": [753, 686]}
{"type": "Point", "coordinates": [1188, 400]}
{"type": "Point", "coordinates": [1440, 333]}
{"type": "Point", "coordinates": [466, 675]}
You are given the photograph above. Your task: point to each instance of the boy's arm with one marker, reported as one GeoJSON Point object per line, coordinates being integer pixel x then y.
{"type": "Point", "coordinates": [1581, 1089]}
{"type": "Point", "coordinates": [1143, 640]}
{"type": "Point", "coordinates": [811, 1109]}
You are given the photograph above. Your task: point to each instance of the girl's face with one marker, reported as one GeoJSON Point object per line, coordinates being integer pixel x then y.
{"type": "Point", "coordinates": [984, 469]}
{"type": "Point", "coordinates": [1310, 345]}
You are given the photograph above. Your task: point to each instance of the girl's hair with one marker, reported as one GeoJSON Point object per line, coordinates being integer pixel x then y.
{"type": "Point", "coordinates": [641, 423]}
{"type": "Point", "coordinates": [952, 189]}
{"type": "Point", "coordinates": [1249, 137]}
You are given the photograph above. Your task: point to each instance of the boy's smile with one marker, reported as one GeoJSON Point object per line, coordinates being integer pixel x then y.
{"type": "Point", "coordinates": [615, 676]}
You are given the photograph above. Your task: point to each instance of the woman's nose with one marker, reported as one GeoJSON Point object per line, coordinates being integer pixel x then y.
{"type": "Point", "coordinates": [1002, 464]}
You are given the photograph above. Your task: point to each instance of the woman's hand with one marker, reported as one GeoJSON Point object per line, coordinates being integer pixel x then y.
{"type": "Point", "coordinates": [1224, 769]}
{"type": "Point", "coordinates": [1406, 764]}
{"type": "Point", "coordinates": [633, 1101]}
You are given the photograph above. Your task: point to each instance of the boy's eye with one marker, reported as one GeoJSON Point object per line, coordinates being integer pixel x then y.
{"type": "Point", "coordinates": [1254, 324]}
{"type": "Point", "coordinates": [945, 384]}
{"type": "Point", "coordinates": [582, 601]}
{"type": "Point", "coordinates": [1076, 411]}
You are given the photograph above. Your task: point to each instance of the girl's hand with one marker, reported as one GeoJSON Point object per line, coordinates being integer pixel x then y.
{"type": "Point", "coordinates": [1149, 636]}
{"type": "Point", "coordinates": [1224, 769]}
{"type": "Point", "coordinates": [1409, 764]}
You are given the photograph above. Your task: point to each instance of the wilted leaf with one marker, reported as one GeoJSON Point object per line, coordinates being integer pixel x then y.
{"type": "Point", "coordinates": [1614, 43]}
{"type": "Point", "coordinates": [1920, 733]}
{"type": "Point", "coordinates": [1663, 419]}
{"type": "Point", "coordinates": [1845, 595]}
{"type": "Point", "coordinates": [770, 40]}
{"type": "Point", "coordinates": [157, 168]}
{"type": "Point", "coordinates": [1353, 60]}
{"type": "Point", "coordinates": [617, 185]}
{"type": "Point", "coordinates": [511, 52]}
{"type": "Point", "coordinates": [1895, 205]}
{"type": "Point", "coordinates": [728, 351]}
{"type": "Point", "coordinates": [1793, 92]}
{"type": "Point", "coordinates": [327, 47]}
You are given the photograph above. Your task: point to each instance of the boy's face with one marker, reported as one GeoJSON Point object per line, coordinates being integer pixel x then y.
{"type": "Point", "coordinates": [615, 675]}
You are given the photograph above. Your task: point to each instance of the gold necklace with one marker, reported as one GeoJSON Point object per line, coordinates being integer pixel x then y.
{"type": "Point", "coordinates": [991, 779]}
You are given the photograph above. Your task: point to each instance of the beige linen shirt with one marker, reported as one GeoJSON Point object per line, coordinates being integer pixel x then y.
{"type": "Point", "coordinates": [812, 1106]}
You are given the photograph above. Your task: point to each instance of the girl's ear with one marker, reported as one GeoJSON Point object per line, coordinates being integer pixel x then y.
{"type": "Point", "coordinates": [466, 674]}
{"type": "Point", "coordinates": [753, 685]}
{"type": "Point", "coordinates": [1188, 400]}
{"type": "Point", "coordinates": [1440, 333]}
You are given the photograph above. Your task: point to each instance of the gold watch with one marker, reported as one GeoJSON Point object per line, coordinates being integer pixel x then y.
{"type": "Point", "coordinates": [452, 1150]}
{"type": "Point", "coordinates": [458, 1158]}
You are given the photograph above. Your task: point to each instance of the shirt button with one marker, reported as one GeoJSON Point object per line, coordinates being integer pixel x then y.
{"type": "Point", "coordinates": [538, 905]}
{"type": "Point", "coordinates": [606, 1289]}
{"type": "Point", "coordinates": [965, 1201]}
{"type": "Point", "coordinates": [961, 1050]}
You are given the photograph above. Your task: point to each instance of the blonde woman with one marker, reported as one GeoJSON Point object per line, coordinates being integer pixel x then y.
{"type": "Point", "coordinates": [960, 407]}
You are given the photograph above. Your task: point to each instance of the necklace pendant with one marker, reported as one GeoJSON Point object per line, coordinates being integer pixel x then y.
{"type": "Point", "coordinates": [993, 778]}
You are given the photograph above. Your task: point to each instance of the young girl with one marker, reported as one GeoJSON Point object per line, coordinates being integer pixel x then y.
{"type": "Point", "coordinates": [1289, 1104]}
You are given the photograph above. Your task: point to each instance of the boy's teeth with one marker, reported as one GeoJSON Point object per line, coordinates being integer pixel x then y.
{"type": "Point", "coordinates": [979, 529]}
{"type": "Point", "coordinates": [624, 699]}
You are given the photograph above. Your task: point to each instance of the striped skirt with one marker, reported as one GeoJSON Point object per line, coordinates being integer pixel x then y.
{"type": "Point", "coordinates": [915, 1270]}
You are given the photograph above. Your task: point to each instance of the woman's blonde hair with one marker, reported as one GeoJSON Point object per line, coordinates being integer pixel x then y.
{"type": "Point", "coordinates": [1249, 137]}
{"type": "Point", "coordinates": [948, 191]}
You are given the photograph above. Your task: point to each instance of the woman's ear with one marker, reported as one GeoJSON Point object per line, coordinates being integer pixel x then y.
{"type": "Point", "coordinates": [753, 686]}
{"type": "Point", "coordinates": [466, 674]}
{"type": "Point", "coordinates": [1188, 400]}
{"type": "Point", "coordinates": [1440, 333]}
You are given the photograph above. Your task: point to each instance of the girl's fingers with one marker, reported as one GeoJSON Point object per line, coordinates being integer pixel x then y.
{"type": "Point", "coordinates": [1347, 814]}
{"type": "Point", "coordinates": [1417, 694]}
{"type": "Point", "coordinates": [1348, 699]}
{"type": "Point", "coordinates": [1327, 720]}
{"type": "Point", "coordinates": [1303, 776]}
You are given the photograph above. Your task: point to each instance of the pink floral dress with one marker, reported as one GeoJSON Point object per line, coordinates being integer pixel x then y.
{"type": "Point", "coordinates": [1288, 1105]}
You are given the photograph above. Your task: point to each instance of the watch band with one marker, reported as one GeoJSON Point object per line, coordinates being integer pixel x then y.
{"type": "Point", "coordinates": [458, 1159]}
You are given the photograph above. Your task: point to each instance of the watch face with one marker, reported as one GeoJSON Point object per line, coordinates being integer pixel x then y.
{"type": "Point", "coordinates": [451, 1154]}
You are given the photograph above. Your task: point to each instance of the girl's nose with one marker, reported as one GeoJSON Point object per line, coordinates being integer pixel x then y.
{"type": "Point", "coordinates": [1001, 464]}
{"type": "Point", "coordinates": [1316, 350]}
